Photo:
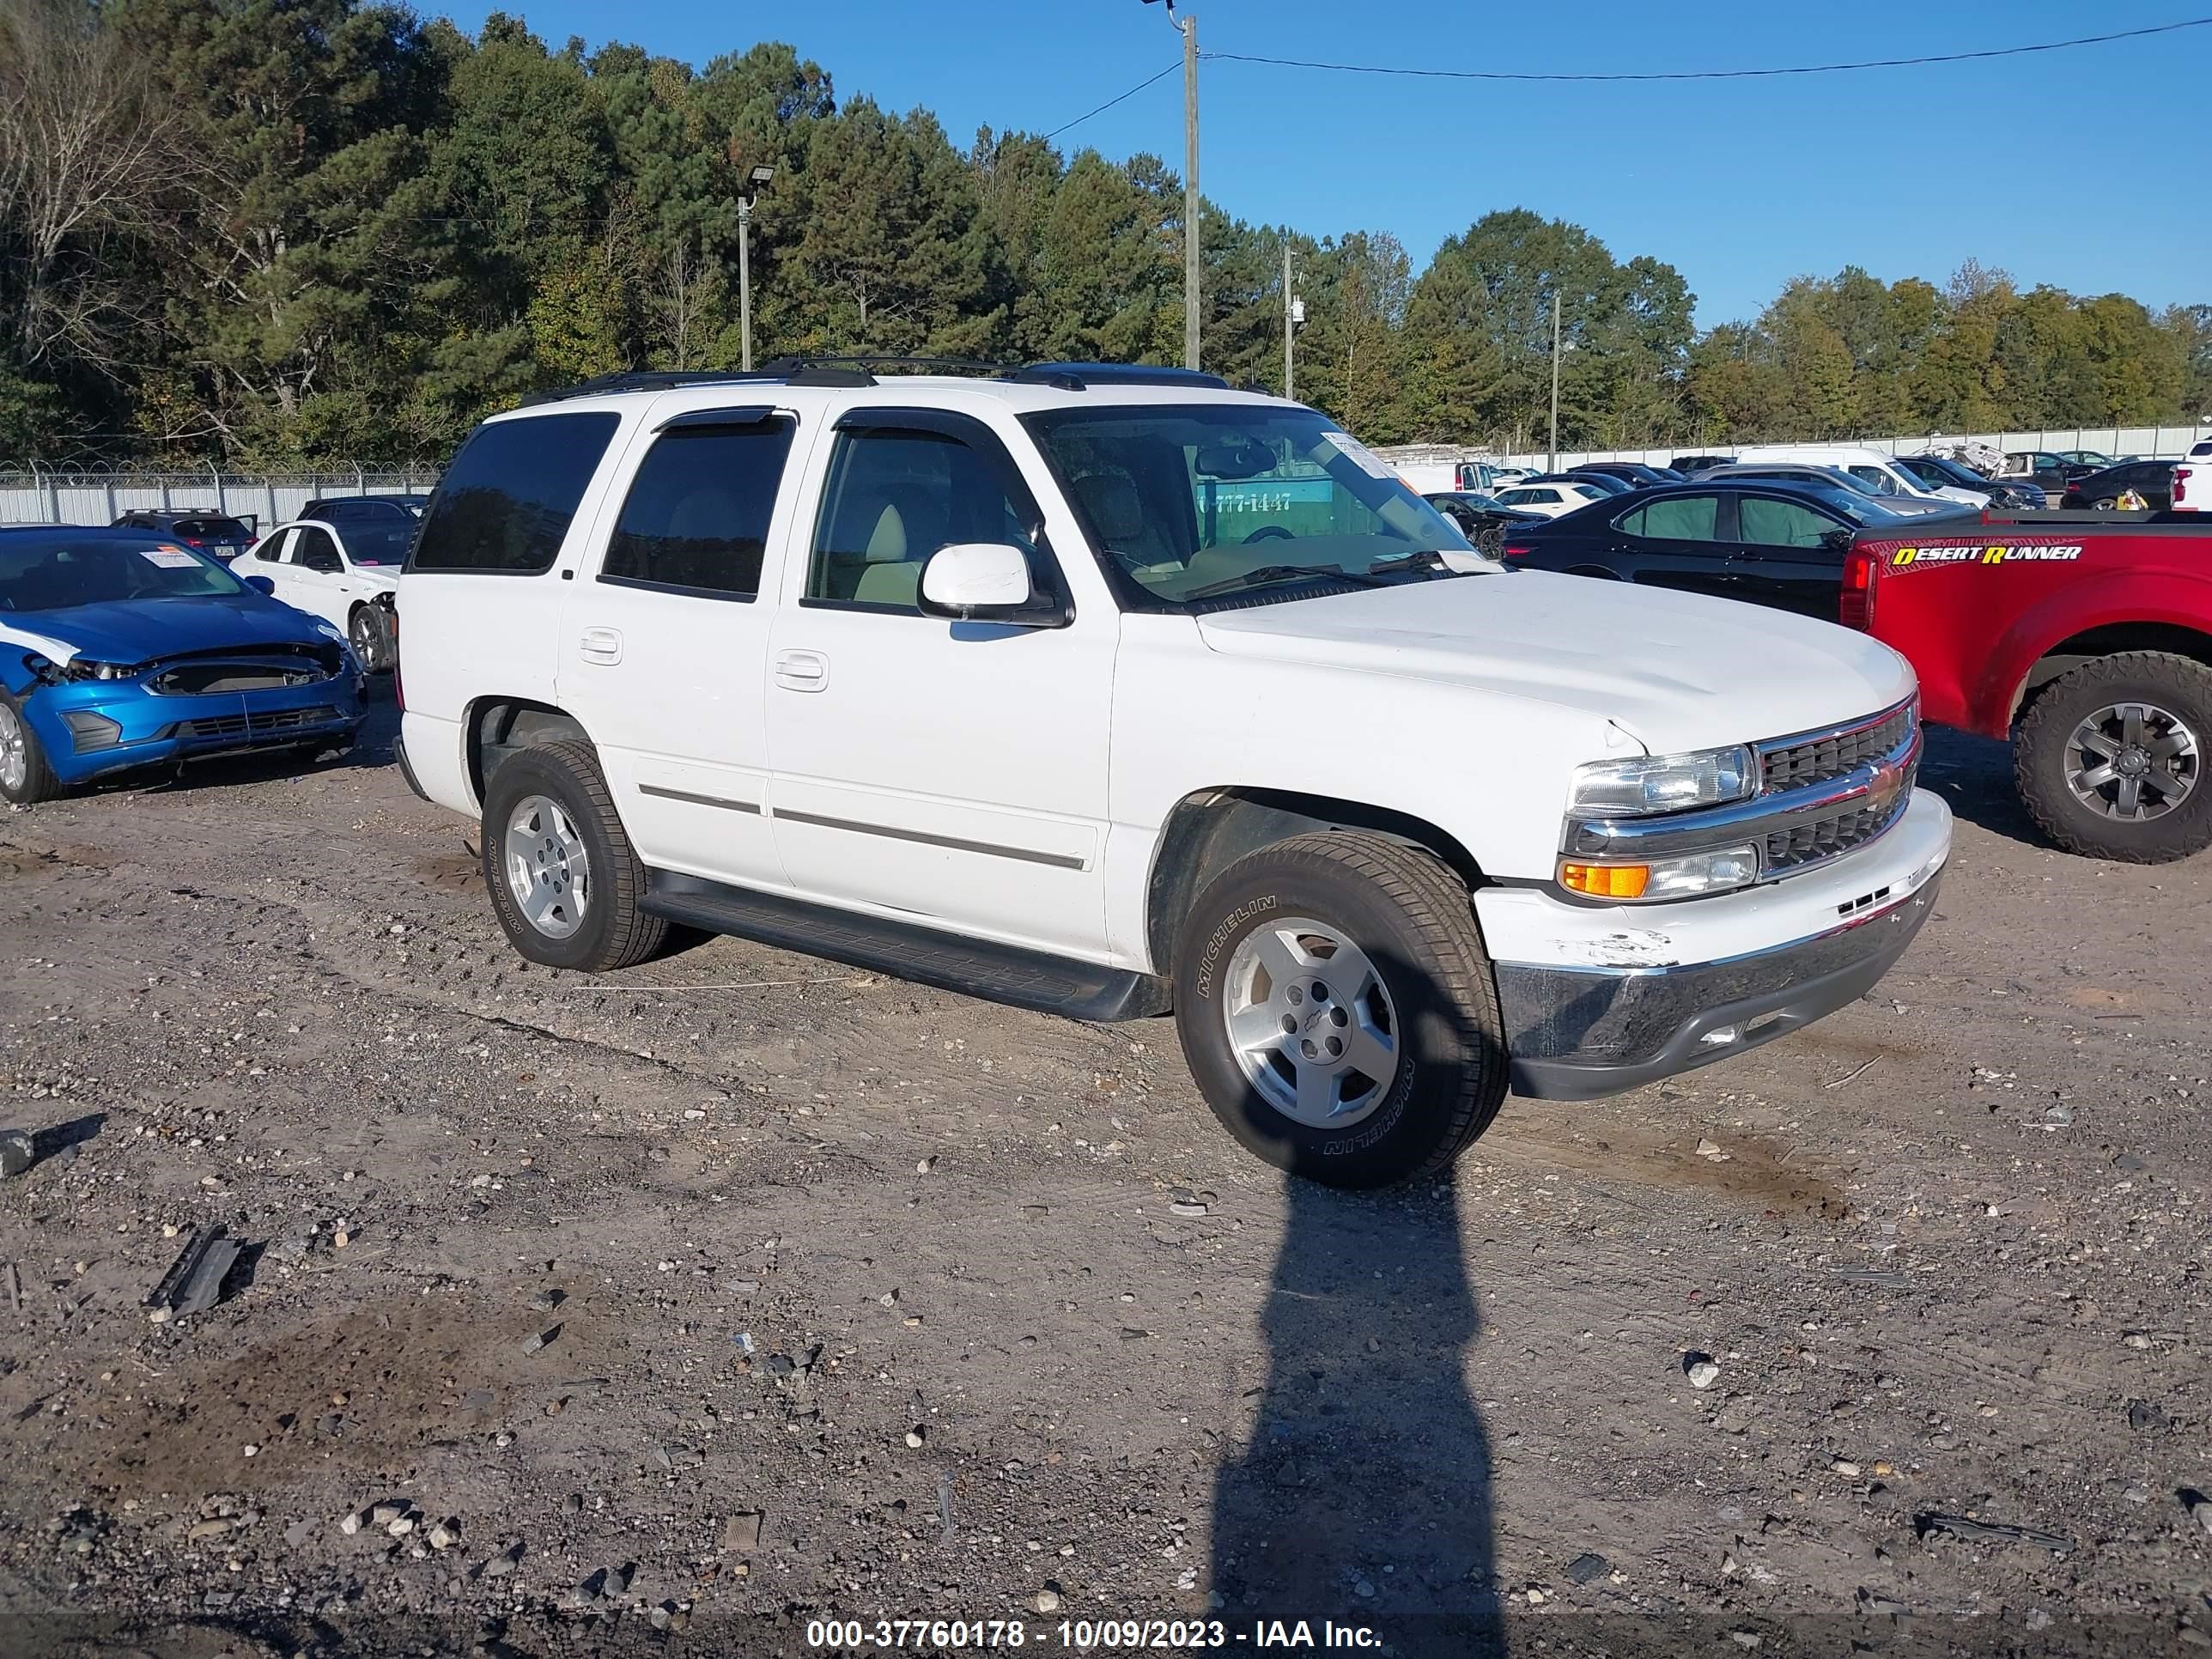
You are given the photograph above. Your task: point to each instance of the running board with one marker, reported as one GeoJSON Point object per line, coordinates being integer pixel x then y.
{"type": "Point", "coordinates": [928, 955]}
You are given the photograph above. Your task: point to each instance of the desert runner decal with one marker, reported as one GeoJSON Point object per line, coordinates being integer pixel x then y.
{"type": "Point", "coordinates": [2035, 553]}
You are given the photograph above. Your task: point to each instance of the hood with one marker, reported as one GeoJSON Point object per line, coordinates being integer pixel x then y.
{"type": "Point", "coordinates": [1674, 670]}
{"type": "Point", "coordinates": [140, 630]}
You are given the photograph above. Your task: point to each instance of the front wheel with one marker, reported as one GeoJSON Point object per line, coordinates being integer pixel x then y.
{"type": "Point", "coordinates": [564, 880]}
{"type": "Point", "coordinates": [2110, 759]}
{"type": "Point", "coordinates": [1338, 1010]}
{"type": "Point", "coordinates": [25, 777]}
{"type": "Point", "coordinates": [370, 637]}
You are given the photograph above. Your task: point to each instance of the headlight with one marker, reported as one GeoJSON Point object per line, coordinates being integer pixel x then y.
{"type": "Point", "coordinates": [330, 631]}
{"type": "Point", "coordinates": [1649, 784]}
{"type": "Point", "coordinates": [1680, 877]}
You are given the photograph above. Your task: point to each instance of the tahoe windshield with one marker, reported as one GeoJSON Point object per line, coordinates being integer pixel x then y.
{"type": "Point", "coordinates": [1193, 502]}
{"type": "Point", "coordinates": [53, 574]}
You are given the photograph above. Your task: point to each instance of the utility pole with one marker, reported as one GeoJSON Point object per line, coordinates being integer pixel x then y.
{"type": "Point", "coordinates": [1188, 25]}
{"type": "Point", "coordinates": [1290, 325]}
{"type": "Point", "coordinates": [1554, 466]}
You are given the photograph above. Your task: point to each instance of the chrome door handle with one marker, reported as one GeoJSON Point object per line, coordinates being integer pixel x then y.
{"type": "Point", "coordinates": [601, 645]}
{"type": "Point", "coordinates": [802, 671]}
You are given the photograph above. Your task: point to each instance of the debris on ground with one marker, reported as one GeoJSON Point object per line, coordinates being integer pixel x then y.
{"type": "Point", "coordinates": [19, 1150]}
{"type": "Point", "coordinates": [1989, 1531]}
{"type": "Point", "coordinates": [194, 1281]}
{"type": "Point", "coordinates": [1702, 1369]}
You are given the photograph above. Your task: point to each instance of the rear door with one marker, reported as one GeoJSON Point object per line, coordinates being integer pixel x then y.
{"type": "Point", "coordinates": [1677, 542]}
{"type": "Point", "coordinates": [1788, 554]}
{"type": "Point", "coordinates": [665, 640]}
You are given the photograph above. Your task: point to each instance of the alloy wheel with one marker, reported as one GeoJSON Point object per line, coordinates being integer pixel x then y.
{"type": "Point", "coordinates": [2133, 760]}
{"type": "Point", "coordinates": [1312, 1023]}
{"type": "Point", "coordinates": [549, 870]}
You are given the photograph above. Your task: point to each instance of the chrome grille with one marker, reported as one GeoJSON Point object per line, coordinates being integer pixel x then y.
{"type": "Point", "coordinates": [1823, 757]}
{"type": "Point", "coordinates": [1801, 844]}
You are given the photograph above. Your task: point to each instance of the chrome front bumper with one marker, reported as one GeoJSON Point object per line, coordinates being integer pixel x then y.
{"type": "Point", "coordinates": [1577, 1033]}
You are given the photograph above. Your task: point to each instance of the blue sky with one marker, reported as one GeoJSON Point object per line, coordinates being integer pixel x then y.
{"type": "Point", "coordinates": [2084, 169]}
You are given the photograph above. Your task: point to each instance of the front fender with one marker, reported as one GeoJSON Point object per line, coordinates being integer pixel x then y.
{"type": "Point", "coordinates": [2116, 599]}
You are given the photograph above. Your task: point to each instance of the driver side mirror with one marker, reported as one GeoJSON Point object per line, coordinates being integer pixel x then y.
{"type": "Point", "coordinates": [988, 582]}
{"type": "Point", "coordinates": [264, 586]}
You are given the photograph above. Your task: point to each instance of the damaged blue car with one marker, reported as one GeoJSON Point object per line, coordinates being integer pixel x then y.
{"type": "Point", "coordinates": [121, 648]}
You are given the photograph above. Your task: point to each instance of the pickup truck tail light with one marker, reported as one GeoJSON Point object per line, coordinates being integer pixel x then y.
{"type": "Point", "coordinates": [2181, 476]}
{"type": "Point", "coordinates": [399, 689]}
{"type": "Point", "coordinates": [1855, 608]}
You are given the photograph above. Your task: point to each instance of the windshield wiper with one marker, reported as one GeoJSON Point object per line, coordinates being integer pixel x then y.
{"type": "Point", "coordinates": [1287, 573]}
{"type": "Point", "coordinates": [1427, 558]}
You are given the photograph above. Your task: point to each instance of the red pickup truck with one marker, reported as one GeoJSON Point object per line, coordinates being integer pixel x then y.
{"type": "Point", "coordinates": [2085, 639]}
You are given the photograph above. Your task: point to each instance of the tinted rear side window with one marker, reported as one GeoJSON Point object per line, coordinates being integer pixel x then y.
{"type": "Point", "coordinates": [505, 503]}
{"type": "Point", "coordinates": [696, 517]}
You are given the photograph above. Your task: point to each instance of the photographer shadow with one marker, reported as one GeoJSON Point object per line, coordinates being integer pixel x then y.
{"type": "Point", "coordinates": [1364, 1495]}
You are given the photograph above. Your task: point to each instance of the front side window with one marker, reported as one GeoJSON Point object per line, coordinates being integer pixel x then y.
{"type": "Point", "coordinates": [1683, 519]}
{"type": "Point", "coordinates": [1189, 500]}
{"type": "Point", "coordinates": [1767, 522]}
{"type": "Point", "coordinates": [504, 506]}
{"type": "Point", "coordinates": [893, 497]}
{"type": "Point", "coordinates": [314, 549]}
{"type": "Point", "coordinates": [696, 517]}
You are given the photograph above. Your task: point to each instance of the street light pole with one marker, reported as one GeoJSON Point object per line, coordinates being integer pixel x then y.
{"type": "Point", "coordinates": [1290, 325]}
{"type": "Point", "coordinates": [1554, 466]}
{"type": "Point", "coordinates": [744, 282]}
{"type": "Point", "coordinates": [755, 180]}
{"type": "Point", "coordinates": [1188, 25]}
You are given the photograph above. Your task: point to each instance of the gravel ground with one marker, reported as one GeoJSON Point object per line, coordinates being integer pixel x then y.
{"type": "Point", "coordinates": [862, 1300]}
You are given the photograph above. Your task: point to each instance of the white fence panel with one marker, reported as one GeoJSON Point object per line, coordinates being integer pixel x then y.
{"type": "Point", "coordinates": [41, 497]}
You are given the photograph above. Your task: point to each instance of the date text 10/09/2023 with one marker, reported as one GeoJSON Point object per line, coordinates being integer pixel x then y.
{"type": "Point", "coordinates": [1080, 1635]}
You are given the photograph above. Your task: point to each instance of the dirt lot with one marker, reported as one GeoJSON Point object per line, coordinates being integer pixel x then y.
{"type": "Point", "coordinates": [865, 1300]}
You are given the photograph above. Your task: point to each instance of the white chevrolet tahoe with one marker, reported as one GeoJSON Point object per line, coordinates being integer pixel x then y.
{"type": "Point", "coordinates": [1112, 692]}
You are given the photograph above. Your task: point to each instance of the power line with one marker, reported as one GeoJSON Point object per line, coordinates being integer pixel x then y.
{"type": "Point", "coordinates": [1698, 74]}
{"type": "Point", "coordinates": [1110, 102]}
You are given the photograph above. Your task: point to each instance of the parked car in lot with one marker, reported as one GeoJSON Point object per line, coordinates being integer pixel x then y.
{"type": "Point", "coordinates": [1481, 520]}
{"type": "Point", "coordinates": [1690, 466]}
{"type": "Point", "coordinates": [2048, 472]}
{"type": "Point", "coordinates": [1827, 477]}
{"type": "Point", "coordinates": [1108, 691]}
{"type": "Point", "coordinates": [121, 649]}
{"type": "Point", "coordinates": [1937, 470]}
{"type": "Point", "coordinates": [346, 510]}
{"type": "Point", "coordinates": [1869, 465]}
{"type": "Point", "coordinates": [1767, 541]}
{"type": "Point", "coordinates": [2087, 645]}
{"type": "Point", "coordinates": [347, 575]}
{"type": "Point", "coordinates": [2095, 460]}
{"type": "Point", "coordinates": [1634, 474]}
{"type": "Point", "coordinates": [2151, 481]}
{"type": "Point", "coordinates": [1554, 496]}
{"type": "Point", "coordinates": [216, 534]}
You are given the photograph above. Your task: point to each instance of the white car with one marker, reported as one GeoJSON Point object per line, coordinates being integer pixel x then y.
{"type": "Point", "coordinates": [1868, 465]}
{"type": "Point", "coordinates": [1501, 476]}
{"type": "Point", "coordinates": [347, 577]}
{"type": "Point", "coordinates": [1112, 692]}
{"type": "Point", "coordinates": [1550, 499]}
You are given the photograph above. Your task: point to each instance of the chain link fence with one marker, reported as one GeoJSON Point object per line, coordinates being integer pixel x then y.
{"type": "Point", "coordinates": [35, 495]}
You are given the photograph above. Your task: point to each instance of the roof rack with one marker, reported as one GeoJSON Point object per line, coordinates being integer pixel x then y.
{"type": "Point", "coordinates": [1077, 377]}
{"type": "Point", "coordinates": [859, 370]}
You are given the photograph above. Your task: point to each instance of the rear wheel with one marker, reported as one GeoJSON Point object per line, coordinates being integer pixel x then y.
{"type": "Point", "coordinates": [2111, 759]}
{"type": "Point", "coordinates": [564, 880]}
{"type": "Point", "coordinates": [1338, 1011]}
{"type": "Point", "coordinates": [25, 777]}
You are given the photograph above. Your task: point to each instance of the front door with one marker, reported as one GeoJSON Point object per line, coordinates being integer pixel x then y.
{"type": "Point", "coordinates": [663, 646]}
{"type": "Point", "coordinates": [316, 578]}
{"type": "Point", "coordinates": [1786, 555]}
{"type": "Point", "coordinates": [950, 773]}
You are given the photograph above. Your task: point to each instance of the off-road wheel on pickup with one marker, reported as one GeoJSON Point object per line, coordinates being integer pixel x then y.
{"type": "Point", "coordinates": [1339, 1012]}
{"type": "Point", "coordinates": [25, 777]}
{"type": "Point", "coordinates": [564, 880]}
{"type": "Point", "coordinates": [2111, 759]}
